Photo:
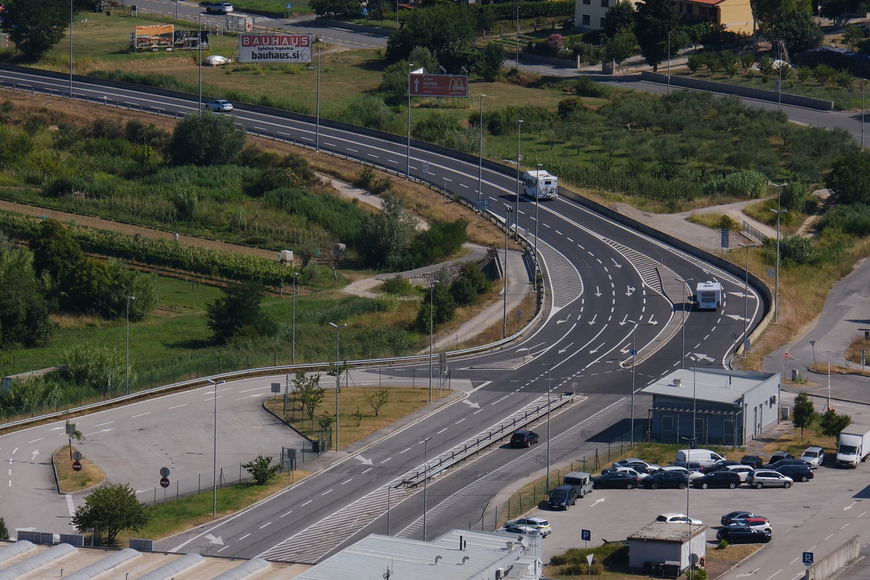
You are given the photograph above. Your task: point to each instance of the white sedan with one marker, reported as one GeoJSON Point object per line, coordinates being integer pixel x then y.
{"type": "Point", "coordinates": [219, 106]}
{"type": "Point", "coordinates": [678, 519]}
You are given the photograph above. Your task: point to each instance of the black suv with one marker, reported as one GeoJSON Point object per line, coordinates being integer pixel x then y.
{"type": "Point", "coordinates": [742, 535]}
{"type": "Point", "coordinates": [523, 438]}
{"type": "Point", "coordinates": [666, 479]}
{"type": "Point", "coordinates": [753, 461]}
{"type": "Point", "coordinates": [796, 472]}
{"type": "Point", "coordinates": [562, 497]}
{"type": "Point", "coordinates": [616, 479]}
{"type": "Point", "coordinates": [722, 478]}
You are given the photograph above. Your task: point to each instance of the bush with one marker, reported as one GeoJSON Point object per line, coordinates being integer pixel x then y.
{"type": "Point", "coordinates": [748, 184]}
{"type": "Point", "coordinates": [65, 185]}
{"type": "Point", "coordinates": [853, 220]}
{"type": "Point", "coordinates": [398, 286]}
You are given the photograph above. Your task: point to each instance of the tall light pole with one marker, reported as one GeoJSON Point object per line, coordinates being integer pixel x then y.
{"type": "Point", "coordinates": [746, 294]}
{"type": "Point", "coordinates": [684, 283]}
{"type": "Point", "coordinates": [669, 61]}
{"type": "Point", "coordinates": [425, 442]}
{"type": "Point", "coordinates": [633, 366]}
{"type": "Point", "coordinates": [127, 383]}
{"type": "Point", "coordinates": [694, 405]}
{"type": "Point", "coordinates": [480, 158]}
{"type": "Point", "coordinates": [778, 213]}
{"type": "Point", "coordinates": [549, 390]}
{"type": "Point", "coordinates": [863, 86]}
{"type": "Point", "coordinates": [507, 229]}
{"type": "Point", "coordinates": [337, 328]}
{"type": "Point", "coordinates": [71, 49]}
{"type": "Point", "coordinates": [432, 284]}
{"type": "Point", "coordinates": [408, 151]}
{"type": "Point", "coordinates": [214, 447]}
{"type": "Point", "coordinates": [199, 50]}
{"type": "Point", "coordinates": [293, 326]}
{"type": "Point", "coordinates": [317, 129]}
{"type": "Point", "coordinates": [519, 158]}
{"type": "Point", "coordinates": [537, 205]}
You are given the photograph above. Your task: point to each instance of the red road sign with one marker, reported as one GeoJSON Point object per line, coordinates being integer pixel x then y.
{"type": "Point", "coordinates": [786, 355]}
{"type": "Point", "coordinates": [77, 466]}
{"type": "Point", "coordinates": [164, 482]}
{"type": "Point", "coordinates": [438, 85]}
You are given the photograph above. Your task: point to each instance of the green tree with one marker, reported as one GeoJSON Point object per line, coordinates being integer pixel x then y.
{"type": "Point", "coordinates": [238, 314]}
{"type": "Point", "coordinates": [436, 28]}
{"type": "Point", "coordinates": [377, 400]}
{"type": "Point", "coordinates": [4, 532]}
{"type": "Point", "coordinates": [261, 469]}
{"type": "Point", "coordinates": [803, 412]}
{"type": "Point", "coordinates": [849, 179]}
{"type": "Point", "coordinates": [309, 393]}
{"type": "Point", "coordinates": [54, 250]}
{"type": "Point", "coordinates": [653, 20]}
{"type": "Point", "coordinates": [491, 61]}
{"type": "Point", "coordinates": [109, 510]}
{"type": "Point", "coordinates": [206, 139]}
{"type": "Point", "coordinates": [619, 18]}
{"type": "Point", "coordinates": [337, 8]}
{"type": "Point", "coordinates": [832, 423]}
{"type": "Point", "coordinates": [620, 47]}
{"type": "Point", "coordinates": [35, 26]}
{"type": "Point", "coordinates": [389, 235]}
{"type": "Point", "coordinates": [102, 369]}
{"type": "Point", "coordinates": [24, 310]}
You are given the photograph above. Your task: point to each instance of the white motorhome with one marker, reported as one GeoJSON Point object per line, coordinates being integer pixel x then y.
{"type": "Point", "coordinates": [539, 184]}
{"type": "Point", "coordinates": [708, 295]}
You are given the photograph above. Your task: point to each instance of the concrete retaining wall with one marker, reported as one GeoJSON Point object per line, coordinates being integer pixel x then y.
{"type": "Point", "coordinates": [785, 98]}
{"type": "Point", "coordinates": [835, 561]}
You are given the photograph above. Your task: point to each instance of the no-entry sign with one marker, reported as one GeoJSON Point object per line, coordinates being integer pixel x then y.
{"type": "Point", "coordinates": [77, 466]}
{"type": "Point", "coordinates": [164, 482]}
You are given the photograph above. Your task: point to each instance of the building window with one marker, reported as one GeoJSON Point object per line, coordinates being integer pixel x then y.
{"type": "Point", "coordinates": [587, 21]}
{"type": "Point", "coordinates": [728, 439]}
{"type": "Point", "coordinates": [605, 3]}
{"type": "Point", "coordinates": [603, 22]}
{"type": "Point", "coordinates": [587, 2]}
{"type": "Point", "coordinates": [668, 428]}
{"type": "Point", "coordinates": [689, 9]}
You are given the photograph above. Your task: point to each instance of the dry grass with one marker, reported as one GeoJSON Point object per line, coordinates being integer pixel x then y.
{"type": "Point", "coordinates": [402, 402]}
{"type": "Point", "coordinates": [70, 481]}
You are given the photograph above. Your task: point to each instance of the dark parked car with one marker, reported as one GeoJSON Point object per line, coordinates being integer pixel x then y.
{"type": "Point", "coordinates": [616, 479]}
{"type": "Point", "coordinates": [664, 479]}
{"type": "Point", "coordinates": [781, 462]}
{"type": "Point", "coordinates": [753, 461]}
{"type": "Point", "coordinates": [723, 478]}
{"type": "Point", "coordinates": [720, 465]}
{"type": "Point", "coordinates": [562, 497]}
{"type": "Point", "coordinates": [523, 438]}
{"type": "Point", "coordinates": [777, 455]}
{"type": "Point", "coordinates": [742, 535]}
{"type": "Point", "coordinates": [732, 517]}
{"type": "Point", "coordinates": [796, 472]}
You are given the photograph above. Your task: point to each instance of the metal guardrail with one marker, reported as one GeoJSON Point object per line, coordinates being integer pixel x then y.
{"type": "Point", "coordinates": [521, 418]}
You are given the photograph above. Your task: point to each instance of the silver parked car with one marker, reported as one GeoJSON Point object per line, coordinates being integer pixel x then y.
{"type": "Point", "coordinates": [218, 106]}
{"type": "Point", "coordinates": [814, 456]}
{"type": "Point", "coordinates": [768, 478]}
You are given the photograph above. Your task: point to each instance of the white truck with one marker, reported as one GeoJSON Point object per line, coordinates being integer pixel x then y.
{"type": "Point", "coordinates": [539, 184]}
{"type": "Point", "coordinates": [708, 295]}
{"type": "Point", "coordinates": [854, 445]}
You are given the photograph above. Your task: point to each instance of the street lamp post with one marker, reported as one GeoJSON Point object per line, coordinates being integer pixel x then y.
{"type": "Point", "coordinates": [214, 448]}
{"type": "Point", "coordinates": [317, 129]}
{"type": "Point", "coordinates": [337, 328]}
{"type": "Point", "coordinates": [127, 382]}
{"type": "Point", "coordinates": [507, 229]}
{"type": "Point", "coordinates": [863, 86]}
{"type": "Point", "coordinates": [683, 283]}
{"type": "Point", "coordinates": [537, 205]}
{"type": "Point", "coordinates": [633, 366]}
{"type": "Point", "coordinates": [425, 442]}
{"type": "Point", "coordinates": [408, 152]}
{"type": "Point", "coordinates": [694, 404]}
{"type": "Point", "coordinates": [480, 158]}
{"type": "Point", "coordinates": [293, 326]}
{"type": "Point", "coordinates": [199, 68]}
{"type": "Point", "coordinates": [669, 62]}
{"type": "Point", "coordinates": [549, 403]}
{"type": "Point", "coordinates": [519, 158]}
{"type": "Point", "coordinates": [71, 50]}
{"type": "Point", "coordinates": [778, 213]}
{"type": "Point", "coordinates": [746, 294]}
{"type": "Point", "coordinates": [432, 284]}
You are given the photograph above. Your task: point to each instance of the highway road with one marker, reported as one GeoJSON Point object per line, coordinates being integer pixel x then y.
{"type": "Point", "coordinates": [611, 289]}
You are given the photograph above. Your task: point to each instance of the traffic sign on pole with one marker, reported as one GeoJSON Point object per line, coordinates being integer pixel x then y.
{"type": "Point", "coordinates": [808, 558]}
{"type": "Point", "coordinates": [164, 482]}
{"type": "Point", "coordinates": [585, 535]}
{"type": "Point", "coordinates": [437, 85]}
{"type": "Point", "coordinates": [786, 355]}
{"type": "Point", "coordinates": [77, 466]}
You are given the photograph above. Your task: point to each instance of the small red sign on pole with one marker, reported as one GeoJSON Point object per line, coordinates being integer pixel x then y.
{"type": "Point", "coordinates": [164, 482]}
{"type": "Point", "coordinates": [77, 466]}
{"type": "Point", "coordinates": [786, 355]}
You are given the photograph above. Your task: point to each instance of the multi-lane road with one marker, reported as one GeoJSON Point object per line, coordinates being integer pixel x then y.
{"type": "Point", "coordinates": [611, 289]}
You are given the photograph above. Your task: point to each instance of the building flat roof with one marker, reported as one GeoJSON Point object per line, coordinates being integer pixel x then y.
{"type": "Point", "coordinates": [666, 532]}
{"type": "Point", "coordinates": [726, 387]}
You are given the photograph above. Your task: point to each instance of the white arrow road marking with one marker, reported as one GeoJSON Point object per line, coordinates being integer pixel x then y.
{"type": "Point", "coordinates": [615, 263]}
{"type": "Point", "coordinates": [597, 292]}
{"type": "Point", "coordinates": [470, 404]}
{"type": "Point", "coordinates": [651, 321]}
{"type": "Point", "coordinates": [700, 356]}
{"type": "Point", "coordinates": [736, 317]}
{"type": "Point", "coordinates": [598, 501]}
{"type": "Point", "coordinates": [630, 290]}
{"type": "Point", "coordinates": [214, 539]}
{"type": "Point", "coordinates": [748, 574]}
{"type": "Point", "coordinates": [624, 350]}
{"type": "Point", "coordinates": [561, 321]}
{"type": "Point", "coordinates": [33, 457]}
{"type": "Point", "coordinates": [850, 506]}
{"type": "Point", "coordinates": [624, 320]}
{"type": "Point", "coordinates": [363, 460]}
{"type": "Point", "coordinates": [597, 348]}
{"type": "Point", "coordinates": [591, 322]}
{"type": "Point", "coordinates": [564, 350]}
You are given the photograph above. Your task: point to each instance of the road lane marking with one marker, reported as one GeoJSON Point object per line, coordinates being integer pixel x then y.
{"type": "Point", "coordinates": [326, 492]}
{"type": "Point", "coordinates": [348, 481]}
{"type": "Point", "coordinates": [35, 440]}
{"type": "Point", "coordinates": [367, 470]}
{"type": "Point", "coordinates": [306, 503]}
{"type": "Point", "coordinates": [106, 423]}
{"type": "Point", "coordinates": [441, 431]}
{"type": "Point", "coordinates": [243, 537]}
{"type": "Point", "coordinates": [385, 460]}
{"type": "Point", "coordinates": [287, 514]}
{"type": "Point", "coordinates": [175, 407]}
{"type": "Point", "coordinates": [404, 450]}
{"type": "Point", "coordinates": [774, 574]}
{"type": "Point", "coordinates": [460, 421]}
{"type": "Point", "coordinates": [140, 415]}
{"type": "Point", "coordinates": [266, 524]}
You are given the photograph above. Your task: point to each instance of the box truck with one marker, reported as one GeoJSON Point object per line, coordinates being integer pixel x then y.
{"type": "Point", "coordinates": [539, 184]}
{"type": "Point", "coordinates": [854, 445]}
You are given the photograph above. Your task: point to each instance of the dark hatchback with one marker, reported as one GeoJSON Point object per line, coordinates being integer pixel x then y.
{"type": "Point", "coordinates": [666, 479]}
{"type": "Point", "coordinates": [523, 438]}
{"type": "Point", "coordinates": [617, 480]}
{"type": "Point", "coordinates": [562, 497]}
{"type": "Point", "coordinates": [742, 535]}
{"type": "Point", "coordinates": [796, 472]}
{"type": "Point", "coordinates": [753, 461]}
{"type": "Point", "coordinates": [729, 479]}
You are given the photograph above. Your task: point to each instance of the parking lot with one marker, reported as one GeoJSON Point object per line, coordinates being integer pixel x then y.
{"type": "Point", "coordinates": [614, 514]}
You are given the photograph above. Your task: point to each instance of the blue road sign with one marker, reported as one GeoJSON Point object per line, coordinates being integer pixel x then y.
{"type": "Point", "coordinates": [808, 558]}
{"type": "Point", "coordinates": [585, 535]}
{"type": "Point", "coordinates": [633, 352]}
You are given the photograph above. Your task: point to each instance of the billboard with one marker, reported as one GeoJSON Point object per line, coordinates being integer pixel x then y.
{"type": "Point", "coordinates": [275, 48]}
{"type": "Point", "coordinates": [437, 85]}
{"type": "Point", "coordinates": [190, 39]}
{"type": "Point", "coordinates": [154, 36]}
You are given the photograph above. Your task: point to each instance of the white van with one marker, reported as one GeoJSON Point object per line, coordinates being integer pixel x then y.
{"type": "Point", "coordinates": [704, 457]}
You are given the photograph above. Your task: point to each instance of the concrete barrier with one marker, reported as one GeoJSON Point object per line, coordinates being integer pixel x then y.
{"type": "Point", "coordinates": [831, 564]}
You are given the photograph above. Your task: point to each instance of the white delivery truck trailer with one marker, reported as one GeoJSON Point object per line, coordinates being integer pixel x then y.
{"type": "Point", "coordinates": [854, 445]}
{"type": "Point", "coordinates": [708, 295]}
{"type": "Point", "coordinates": [539, 184]}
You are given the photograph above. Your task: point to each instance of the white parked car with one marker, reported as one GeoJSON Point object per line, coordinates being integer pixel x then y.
{"type": "Point", "coordinates": [678, 519]}
{"type": "Point", "coordinates": [219, 8]}
{"type": "Point", "coordinates": [814, 456]}
{"type": "Point", "coordinates": [742, 470]}
{"type": "Point", "coordinates": [628, 470]}
{"type": "Point", "coordinates": [768, 478]}
{"type": "Point", "coordinates": [219, 106]}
